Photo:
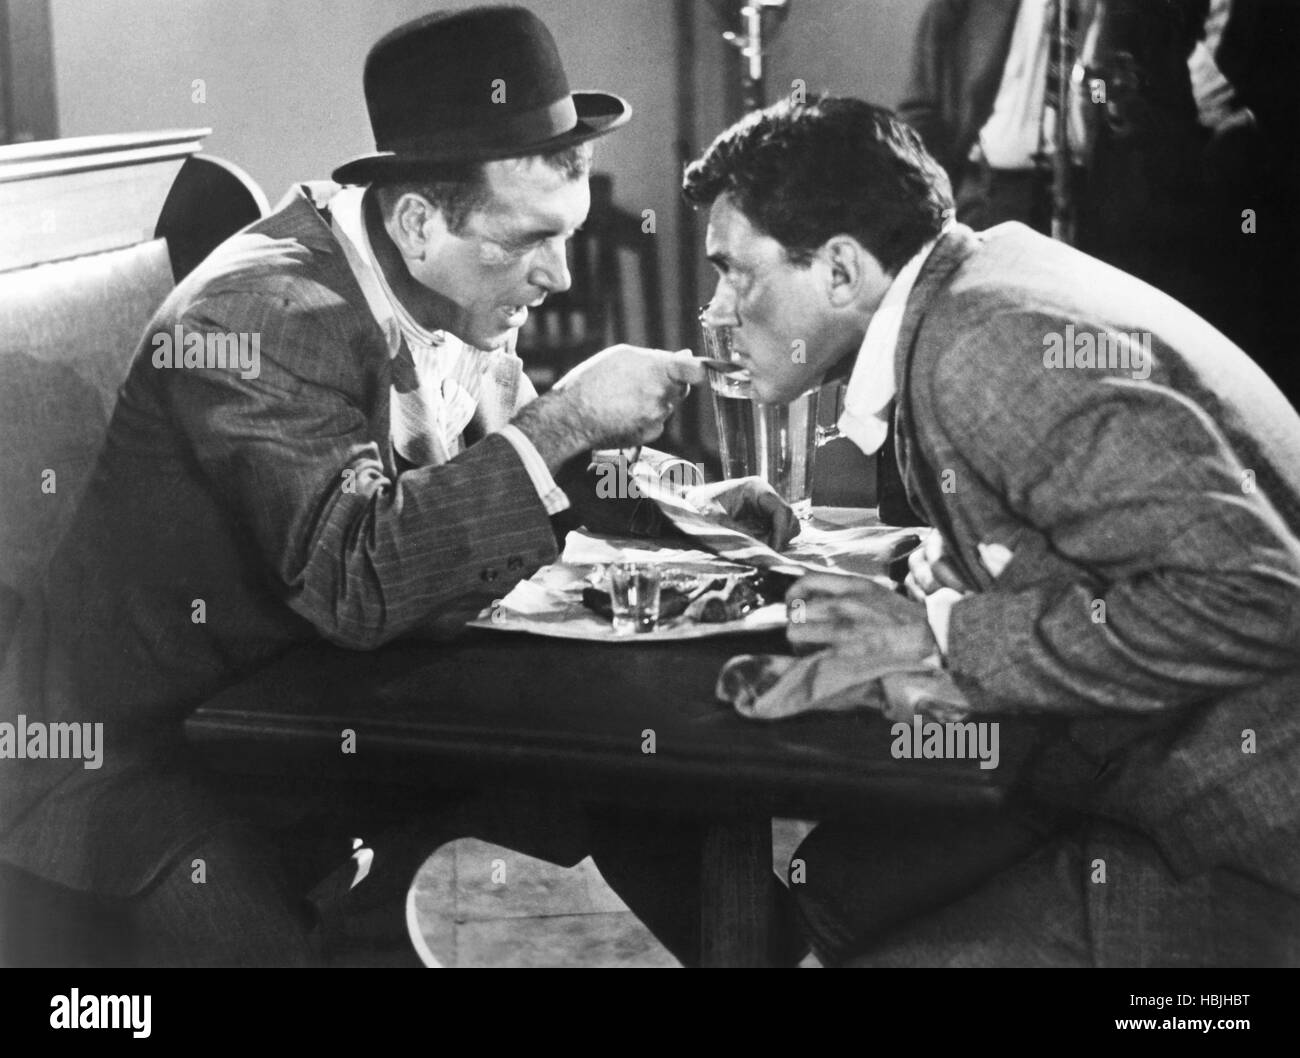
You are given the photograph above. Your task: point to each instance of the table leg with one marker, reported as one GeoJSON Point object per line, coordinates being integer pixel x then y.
{"type": "Point", "coordinates": [736, 902]}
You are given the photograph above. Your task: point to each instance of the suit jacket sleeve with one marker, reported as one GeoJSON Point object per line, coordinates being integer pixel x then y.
{"type": "Point", "coordinates": [363, 556]}
{"type": "Point", "coordinates": [1148, 572]}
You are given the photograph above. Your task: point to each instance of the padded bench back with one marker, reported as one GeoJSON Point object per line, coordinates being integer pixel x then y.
{"type": "Point", "coordinates": [67, 334]}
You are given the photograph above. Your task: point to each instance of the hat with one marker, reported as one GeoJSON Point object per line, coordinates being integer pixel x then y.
{"type": "Point", "coordinates": [472, 86]}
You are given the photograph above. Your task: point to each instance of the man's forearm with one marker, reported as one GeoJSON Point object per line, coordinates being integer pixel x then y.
{"type": "Point", "coordinates": [552, 426]}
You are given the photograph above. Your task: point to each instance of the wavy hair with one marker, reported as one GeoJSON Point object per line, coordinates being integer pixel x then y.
{"type": "Point", "coordinates": [803, 172]}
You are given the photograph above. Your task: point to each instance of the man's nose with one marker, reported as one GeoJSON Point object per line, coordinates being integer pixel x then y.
{"type": "Point", "coordinates": [721, 310]}
{"type": "Point", "coordinates": [551, 272]}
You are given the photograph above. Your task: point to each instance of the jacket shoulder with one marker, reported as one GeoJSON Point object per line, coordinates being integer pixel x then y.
{"type": "Point", "coordinates": [286, 279]}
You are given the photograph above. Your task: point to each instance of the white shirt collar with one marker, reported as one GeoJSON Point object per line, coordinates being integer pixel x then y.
{"type": "Point", "coordinates": [871, 386]}
{"type": "Point", "coordinates": [445, 368]}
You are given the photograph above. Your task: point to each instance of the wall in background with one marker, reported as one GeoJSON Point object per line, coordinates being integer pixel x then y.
{"type": "Point", "coordinates": [848, 47]}
{"type": "Point", "coordinates": [280, 84]}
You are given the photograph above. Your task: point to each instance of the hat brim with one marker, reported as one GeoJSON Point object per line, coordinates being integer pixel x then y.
{"type": "Point", "coordinates": [598, 113]}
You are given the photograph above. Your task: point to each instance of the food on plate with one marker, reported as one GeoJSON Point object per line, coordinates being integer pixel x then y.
{"type": "Point", "coordinates": [707, 598]}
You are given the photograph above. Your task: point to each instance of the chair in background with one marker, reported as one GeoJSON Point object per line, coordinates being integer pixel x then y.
{"type": "Point", "coordinates": [593, 313]}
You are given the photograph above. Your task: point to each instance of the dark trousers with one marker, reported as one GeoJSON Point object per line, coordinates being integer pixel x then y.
{"type": "Point", "coordinates": [257, 904]}
{"type": "Point", "coordinates": [271, 887]}
{"type": "Point", "coordinates": [228, 902]}
{"type": "Point", "coordinates": [279, 893]}
{"type": "Point", "coordinates": [854, 882]}
{"type": "Point", "coordinates": [991, 889]}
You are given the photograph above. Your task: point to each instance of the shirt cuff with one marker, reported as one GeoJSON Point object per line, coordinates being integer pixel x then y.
{"type": "Point", "coordinates": [551, 495]}
{"type": "Point", "coordinates": [938, 609]}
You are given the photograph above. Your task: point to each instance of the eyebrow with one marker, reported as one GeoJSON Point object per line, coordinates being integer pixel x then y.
{"type": "Point", "coordinates": [538, 234]}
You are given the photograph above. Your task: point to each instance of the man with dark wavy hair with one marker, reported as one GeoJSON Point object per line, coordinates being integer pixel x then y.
{"type": "Point", "coordinates": [1113, 546]}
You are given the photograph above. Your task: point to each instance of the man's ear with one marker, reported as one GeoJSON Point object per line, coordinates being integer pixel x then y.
{"type": "Point", "coordinates": [852, 271]}
{"type": "Point", "coordinates": [414, 224]}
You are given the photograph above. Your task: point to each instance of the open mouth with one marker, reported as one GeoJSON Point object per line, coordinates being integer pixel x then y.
{"type": "Point", "coordinates": [517, 314]}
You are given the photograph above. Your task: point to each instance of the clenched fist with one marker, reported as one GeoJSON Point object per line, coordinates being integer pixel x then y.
{"type": "Point", "coordinates": [623, 394]}
{"type": "Point", "coordinates": [617, 398]}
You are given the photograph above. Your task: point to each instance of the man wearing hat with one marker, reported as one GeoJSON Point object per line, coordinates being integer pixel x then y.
{"type": "Point", "coordinates": [386, 470]}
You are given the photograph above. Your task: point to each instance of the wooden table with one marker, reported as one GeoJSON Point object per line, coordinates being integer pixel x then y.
{"type": "Point", "coordinates": [511, 710]}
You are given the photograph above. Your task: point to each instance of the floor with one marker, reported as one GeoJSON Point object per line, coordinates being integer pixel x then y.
{"type": "Point", "coordinates": [481, 905]}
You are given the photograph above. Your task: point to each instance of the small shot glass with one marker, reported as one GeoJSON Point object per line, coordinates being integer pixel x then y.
{"type": "Point", "coordinates": [634, 596]}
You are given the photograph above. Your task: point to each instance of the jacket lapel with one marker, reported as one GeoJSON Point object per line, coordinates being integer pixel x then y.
{"type": "Point", "coordinates": [307, 219]}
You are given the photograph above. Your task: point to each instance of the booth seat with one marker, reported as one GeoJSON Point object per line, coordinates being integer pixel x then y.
{"type": "Point", "coordinates": [97, 232]}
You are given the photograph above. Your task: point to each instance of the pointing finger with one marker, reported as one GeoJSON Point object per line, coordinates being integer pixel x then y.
{"type": "Point", "coordinates": [686, 369]}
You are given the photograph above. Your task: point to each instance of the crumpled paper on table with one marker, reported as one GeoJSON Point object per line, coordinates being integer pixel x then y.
{"type": "Point", "coordinates": [581, 548]}
{"type": "Point", "coordinates": [549, 603]}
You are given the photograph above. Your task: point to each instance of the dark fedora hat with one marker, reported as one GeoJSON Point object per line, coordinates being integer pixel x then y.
{"type": "Point", "coordinates": [471, 86]}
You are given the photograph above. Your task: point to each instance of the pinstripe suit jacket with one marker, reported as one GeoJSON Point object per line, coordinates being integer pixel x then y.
{"type": "Point", "coordinates": [231, 518]}
{"type": "Point", "coordinates": [1172, 501]}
